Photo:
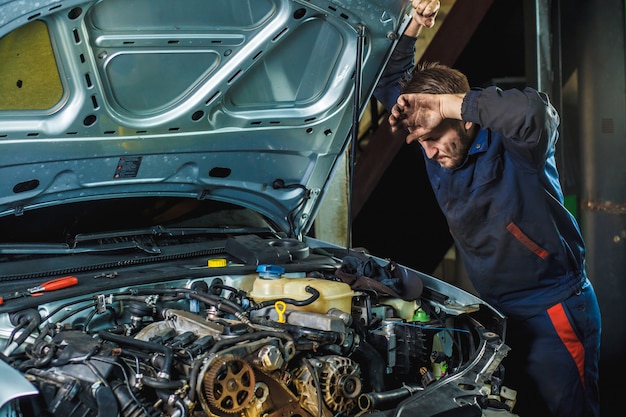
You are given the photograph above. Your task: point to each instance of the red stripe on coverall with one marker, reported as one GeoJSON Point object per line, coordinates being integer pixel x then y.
{"type": "Point", "coordinates": [566, 332]}
{"type": "Point", "coordinates": [526, 241]}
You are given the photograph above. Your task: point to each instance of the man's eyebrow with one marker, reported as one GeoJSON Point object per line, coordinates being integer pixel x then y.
{"type": "Point", "coordinates": [426, 138]}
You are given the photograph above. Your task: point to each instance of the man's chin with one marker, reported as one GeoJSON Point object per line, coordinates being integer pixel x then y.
{"type": "Point", "coordinates": [446, 162]}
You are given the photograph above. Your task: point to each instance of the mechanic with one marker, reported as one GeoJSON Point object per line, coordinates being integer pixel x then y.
{"type": "Point", "coordinates": [489, 157]}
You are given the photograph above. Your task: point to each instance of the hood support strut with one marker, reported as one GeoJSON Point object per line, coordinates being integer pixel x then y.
{"type": "Point", "coordinates": [355, 124]}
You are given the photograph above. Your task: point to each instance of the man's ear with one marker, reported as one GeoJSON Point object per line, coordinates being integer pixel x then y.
{"type": "Point", "coordinates": [468, 126]}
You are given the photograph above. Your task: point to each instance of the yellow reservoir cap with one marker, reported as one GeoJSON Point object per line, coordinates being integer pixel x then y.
{"type": "Point", "coordinates": [216, 263]}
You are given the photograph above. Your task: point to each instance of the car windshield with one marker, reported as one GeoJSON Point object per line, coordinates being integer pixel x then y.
{"type": "Point", "coordinates": [63, 223]}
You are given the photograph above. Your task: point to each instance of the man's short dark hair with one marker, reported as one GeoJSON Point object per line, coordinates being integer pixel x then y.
{"type": "Point", "coordinates": [435, 78]}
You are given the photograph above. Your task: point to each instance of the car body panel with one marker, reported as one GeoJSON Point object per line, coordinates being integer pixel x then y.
{"type": "Point", "coordinates": [157, 99]}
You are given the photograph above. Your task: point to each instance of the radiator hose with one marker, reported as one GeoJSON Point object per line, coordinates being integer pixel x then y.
{"type": "Point", "coordinates": [378, 400]}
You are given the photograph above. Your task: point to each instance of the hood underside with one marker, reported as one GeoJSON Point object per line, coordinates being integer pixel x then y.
{"type": "Point", "coordinates": [241, 101]}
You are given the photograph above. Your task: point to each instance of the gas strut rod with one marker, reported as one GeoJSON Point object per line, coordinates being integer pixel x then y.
{"type": "Point", "coordinates": [355, 124]}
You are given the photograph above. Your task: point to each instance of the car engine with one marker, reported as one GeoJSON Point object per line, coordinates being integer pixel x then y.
{"type": "Point", "coordinates": [269, 343]}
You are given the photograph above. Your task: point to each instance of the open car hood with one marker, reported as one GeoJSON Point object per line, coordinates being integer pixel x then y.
{"type": "Point", "coordinates": [243, 101]}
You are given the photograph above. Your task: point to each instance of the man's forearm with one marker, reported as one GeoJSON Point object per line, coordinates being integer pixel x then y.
{"type": "Point", "coordinates": [450, 106]}
{"type": "Point", "coordinates": [413, 28]}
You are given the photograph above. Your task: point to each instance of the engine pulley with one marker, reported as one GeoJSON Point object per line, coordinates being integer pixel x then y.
{"type": "Point", "coordinates": [229, 385]}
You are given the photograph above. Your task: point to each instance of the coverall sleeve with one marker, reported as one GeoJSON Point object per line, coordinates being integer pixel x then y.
{"type": "Point", "coordinates": [398, 68]}
{"type": "Point", "coordinates": [525, 117]}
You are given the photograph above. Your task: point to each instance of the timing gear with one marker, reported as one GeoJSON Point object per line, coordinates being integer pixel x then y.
{"type": "Point", "coordinates": [229, 384]}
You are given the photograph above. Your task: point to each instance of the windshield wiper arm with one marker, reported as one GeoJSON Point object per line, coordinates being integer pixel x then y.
{"type": "Point", "coordinates": [65, 249]}
{"type": "Point", "coordinates": [141, 239]}
{"type": "Point", "coordinates": [161, 231]}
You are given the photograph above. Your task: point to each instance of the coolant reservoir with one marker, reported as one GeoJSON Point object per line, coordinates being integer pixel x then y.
{"type": "Point", "coordinates": [272, 285]}
{"type": "Point", "coordinates": [404, 309]}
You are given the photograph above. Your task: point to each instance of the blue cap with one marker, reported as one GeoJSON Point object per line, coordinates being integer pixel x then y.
{"type": "Point", "coordinates": [270, 271]}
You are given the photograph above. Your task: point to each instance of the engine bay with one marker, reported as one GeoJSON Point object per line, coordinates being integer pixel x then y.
{"type": "Point", "coordinates": [291, 339]}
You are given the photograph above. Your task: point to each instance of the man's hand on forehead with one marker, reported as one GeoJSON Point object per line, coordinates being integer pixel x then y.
{"type": "Point", "coordinates": [416, 111]}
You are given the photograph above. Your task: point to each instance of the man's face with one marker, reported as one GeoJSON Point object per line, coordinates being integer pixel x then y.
{"type": "Point", "coordinates": [446, 144]}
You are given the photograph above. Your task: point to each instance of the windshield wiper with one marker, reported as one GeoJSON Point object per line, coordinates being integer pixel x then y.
{"type": "Point", "coordinates": [141, 239]}
{"type": "Point", "coordinates": [165, 232]}
{"type": "Point", "coordinates": [65, 249]}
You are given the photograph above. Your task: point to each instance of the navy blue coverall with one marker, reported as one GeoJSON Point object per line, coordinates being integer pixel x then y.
{"type": "Point", "coordinates": [521, 248]}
